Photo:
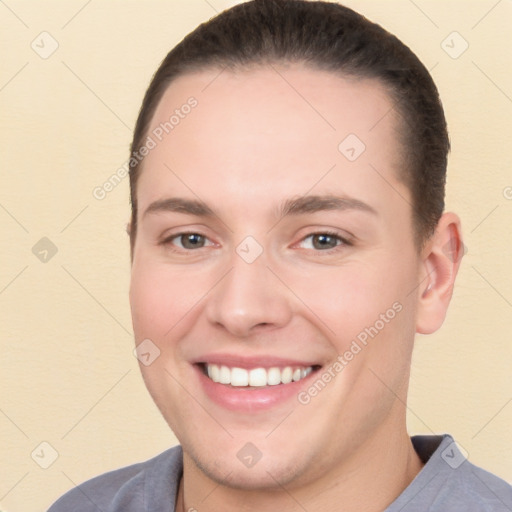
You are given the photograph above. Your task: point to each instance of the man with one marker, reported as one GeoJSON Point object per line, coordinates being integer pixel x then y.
{"type": "Point", "coordinates": [288, 239]}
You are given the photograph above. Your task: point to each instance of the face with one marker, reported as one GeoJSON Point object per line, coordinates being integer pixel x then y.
{"type": "Point", "coordinates": [275, 248]}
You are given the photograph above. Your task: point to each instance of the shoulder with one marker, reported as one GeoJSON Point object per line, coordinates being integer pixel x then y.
{"type": "Point", "coordinates": [132, 488]}
{"type": "Point", "coordinates": [450, 482]}
{"type": "Point", "coordinates": [476, 489]}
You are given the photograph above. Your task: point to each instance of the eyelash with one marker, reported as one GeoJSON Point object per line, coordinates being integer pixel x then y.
{"type": "Point", "coordinates": [344, 241]}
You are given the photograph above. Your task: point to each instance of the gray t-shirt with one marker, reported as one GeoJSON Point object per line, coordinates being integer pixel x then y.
{"type": "Point", "coordinates": [447, 483]}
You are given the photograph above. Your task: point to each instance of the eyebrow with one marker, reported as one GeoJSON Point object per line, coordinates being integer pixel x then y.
{"type": "Point", "coordinates": [315, 203]}
{"type": "Point", "coordinates": [180, 205]}
{"type": "Point", "coordinates": [296, 206]}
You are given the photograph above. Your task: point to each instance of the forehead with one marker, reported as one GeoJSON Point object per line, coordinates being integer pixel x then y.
{"type": "Point", "coordinates": [279, 98]}
{"type": "Point", "coordinates": [288, 124]}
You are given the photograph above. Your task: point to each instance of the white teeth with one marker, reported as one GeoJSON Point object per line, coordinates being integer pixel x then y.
{"type": "Point", "coordinates": [273, 376]}
{"type": "Point", "coordinates": [213, 372]}
{"type": "Point", "coordinates": [225, 375]}
{"type": "Point", "coordinates": [257, 377]}
{"type": "Point", "coordinates": [239, 377]}
{"type": "Point", "coordinates": [286, 375]}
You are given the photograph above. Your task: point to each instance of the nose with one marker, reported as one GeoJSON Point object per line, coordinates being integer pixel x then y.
{"type": "Point", "coordinates": [249, 298]}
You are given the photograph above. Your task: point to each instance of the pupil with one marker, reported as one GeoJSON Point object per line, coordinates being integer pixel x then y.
{"type": "Point", "coordinates": [325, 241]}
{"type": "Point", "coordinates": [192, 240]}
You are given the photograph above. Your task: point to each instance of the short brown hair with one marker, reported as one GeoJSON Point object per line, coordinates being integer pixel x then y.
{"type": "Point", "coordinates": [325, 36]}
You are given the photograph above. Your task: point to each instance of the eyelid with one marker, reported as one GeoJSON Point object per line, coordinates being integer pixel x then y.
{"type": "Point", "coordinates": [166, 240]}
{"type": "Point", "coordinates": [346, 241]}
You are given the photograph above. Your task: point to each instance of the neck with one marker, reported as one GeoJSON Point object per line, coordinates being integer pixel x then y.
{"type": "Point", "coordinates": [368, 481]}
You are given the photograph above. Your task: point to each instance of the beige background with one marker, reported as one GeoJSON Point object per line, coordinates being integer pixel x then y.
{"type": "Point", "coordinates": [68, 376]}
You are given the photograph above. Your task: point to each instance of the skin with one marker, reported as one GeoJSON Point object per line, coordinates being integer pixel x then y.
{"type": "Point", "coordinates": [254, 141]}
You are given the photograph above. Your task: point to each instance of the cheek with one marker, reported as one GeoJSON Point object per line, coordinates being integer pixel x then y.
{"type": "Point", "coordinates": [159, 301]}
{"type": "Point", "coordinates": [159, 298]}
{"type": "Point", "coordinates": [344, 296]}
{"type": "Point", "coordinates": [360, 301]}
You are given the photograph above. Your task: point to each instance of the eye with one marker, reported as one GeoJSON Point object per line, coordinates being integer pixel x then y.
{"type": "Point", "coordinates": [324, 241]}
{"type": "Point", "coordinates": [187, 241]}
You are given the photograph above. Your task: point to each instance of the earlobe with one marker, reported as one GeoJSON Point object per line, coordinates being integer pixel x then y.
{"type": "Point", "coordinates": [440, 264]}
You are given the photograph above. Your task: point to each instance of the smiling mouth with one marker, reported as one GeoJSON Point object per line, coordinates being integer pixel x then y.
{"type": "Point", "coordinates": [256, 377]}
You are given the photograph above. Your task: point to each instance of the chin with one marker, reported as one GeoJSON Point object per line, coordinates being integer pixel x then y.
{"type": "Point", "coordinates": [265, 475]}
{"type": "Point", "coordinates": [262, 477]}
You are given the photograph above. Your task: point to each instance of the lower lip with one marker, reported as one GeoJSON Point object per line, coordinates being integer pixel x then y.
{"type": "Point", "coordinates": [250, 399]}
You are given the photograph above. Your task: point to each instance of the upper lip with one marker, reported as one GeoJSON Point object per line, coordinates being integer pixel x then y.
{"type": "Point", "coordinates": [264, 361]}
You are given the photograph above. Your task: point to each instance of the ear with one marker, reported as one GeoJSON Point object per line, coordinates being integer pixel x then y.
{"type": "Point", "coordinates": [440, 263]}
{"type": "Point", "coordinates": [129, 228]}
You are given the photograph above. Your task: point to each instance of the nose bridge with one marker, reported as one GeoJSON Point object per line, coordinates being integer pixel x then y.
{"type": "Point", "coordinates": [249, 295]}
